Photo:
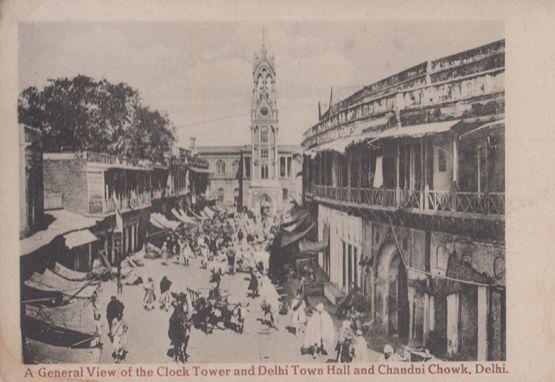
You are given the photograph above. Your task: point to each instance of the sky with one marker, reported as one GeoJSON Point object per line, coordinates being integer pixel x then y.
{"type": "Point", "coordinates": [200, 73]}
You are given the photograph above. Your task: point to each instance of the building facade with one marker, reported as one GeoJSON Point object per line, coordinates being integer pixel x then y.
{"type": "Point", "coordinates": [30, 162]}
{"type": "Point", "coordinates": [101, 204]}
{"type": "Point", "coordinates": [406, 180]}
{"type": "Point", "coordinates": [262, 174]}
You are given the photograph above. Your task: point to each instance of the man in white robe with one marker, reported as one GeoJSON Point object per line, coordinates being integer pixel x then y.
{"type": "Point", "coordinates": [320, 331]}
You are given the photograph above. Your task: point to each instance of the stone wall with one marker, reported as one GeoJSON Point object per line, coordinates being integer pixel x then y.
{"type": "Point", "coordinates": [74, 193]}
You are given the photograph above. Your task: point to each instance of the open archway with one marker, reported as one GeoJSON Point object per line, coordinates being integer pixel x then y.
{"type": "Point", "coordinates": [397, 298]}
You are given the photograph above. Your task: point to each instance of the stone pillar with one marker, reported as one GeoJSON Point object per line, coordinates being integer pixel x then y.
{"type": "Point", "coordinates": [482, 323]}
{"type": "Point", "coordinates": [372, 294]}
{"type": "Point", "coordinates": [397, 176]}
{"type": "Point", "coordinates": [455, 159]}
{"type": "Point", "coordinates": [412, 313]}
{"type": "Point", "coordinates": [453, 306]}
{"type": "Point", "coordinates": [426, 325]}
{"type": "Point", "coordinates": [432, 313]}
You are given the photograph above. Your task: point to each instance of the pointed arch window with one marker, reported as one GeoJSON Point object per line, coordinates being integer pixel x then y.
{"type": "Point", "coordinates": [220, 167]}
{"type": "Point", "coordinates": [264, 135]}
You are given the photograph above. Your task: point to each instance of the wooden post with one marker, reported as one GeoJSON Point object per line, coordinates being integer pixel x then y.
{"type": "Point", "coordinates": [453, 323]}
{"type": "Point", "coordinates": [398, 173]}
{"type": "Point", "coordinates": [426, 325]}
{"type": "Point", "coordinates": [482, 323]}
{"type": "Point", "coordinates": [455, 159]}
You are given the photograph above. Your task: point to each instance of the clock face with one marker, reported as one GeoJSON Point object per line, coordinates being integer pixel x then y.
{"type": "Point", "coordinates": [264, 111]}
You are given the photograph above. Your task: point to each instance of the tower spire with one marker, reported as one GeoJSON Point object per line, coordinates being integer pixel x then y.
{"type": "Point", "coordinates": [264, 40]}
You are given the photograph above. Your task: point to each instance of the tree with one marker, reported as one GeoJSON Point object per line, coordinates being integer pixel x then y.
{"type": "Point", "coordinates": [81, 114]}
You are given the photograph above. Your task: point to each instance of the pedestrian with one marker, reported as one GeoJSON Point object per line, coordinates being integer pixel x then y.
{"type": "Point", "coordinates": [185, 251]}
{"type": "Point", "coordinates": [165, 253]}
{"type": "Point", "coordinates": [150, 296]}
{"type": "Point", "coordinates": [119, 330]}
{"type": "Point", "coordinates": [165, 294]}
{"type": "Point", "coordinates": [360, 348]}
{"type": "Point", "coordinates": [113, 308]}
{"type": "Point", "coordinates": [344, 339]}
{"type": "Point", "coordinates": [298, 313]}
{"type": "Point", "coordinates": [231, 260]}
{"type": "Point", "coordinates": [270, 302]}
{"type": "Point", "coordinates": [119, 283]}
{"type": "Point", "coordinates": [253, 284]}
{"type": "Point", "coordinates": [389, 355]}
{"type": "Point", "coordinates": [320, 332]}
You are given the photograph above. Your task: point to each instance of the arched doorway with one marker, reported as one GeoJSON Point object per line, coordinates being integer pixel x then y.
{"type": "Point", "coordinates": [397, 298]}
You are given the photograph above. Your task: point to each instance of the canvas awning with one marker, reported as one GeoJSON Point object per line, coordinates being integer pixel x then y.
{"type": "Point", "coordinates": [164, 222]}
{"type": "Point", "coordinates": [200, 170]}
{"type": "Point", "coordinates": [182, 217]}
{"type": "Point", "coordinates": [297, 223]}
{"type": "Point", "coordinates": [490, 125]}
{"type": "Point", "coordinates": [69, 274]}
{"type": "Point", "coordinates": [62, 222]}
{"type": "Point", "coordinates": [155, 223]}
{"type": "Point", "coordinates": [290, 238]}
{"type": "Point", "coordinates": [306, 246]}
{"type": "Point", "coordinates": [78, 315]}
{"type": "Point", "coordinates": [338, 145]}
{"type": "Point", "coordinates": [51, 282]}
{"type": "Point", "coordinates": [78, 238]}
{"type": "Point", "coordinates": [193, 213]}
{"type": "Point", "coordinates": [294, 215]}
{"type": "Point", "coordinates": [417, 131]}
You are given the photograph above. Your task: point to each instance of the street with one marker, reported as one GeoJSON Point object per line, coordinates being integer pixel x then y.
{"type": "Point", "coordinates": [147, 338]}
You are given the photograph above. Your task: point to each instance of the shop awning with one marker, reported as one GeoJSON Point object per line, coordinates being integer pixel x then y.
{"type": "Point", "coordinates": [418, 131]}
{"type": "Point", "coordinates": [182, 217]}
{"type": "Point", "coordinates": [193, 213]}
{"type": "Point", "coordinates": [62, 222]}
{"type": "Point", "coordinates": [78, 238]}
{"type": "Point", "coordinates": [338, 145]}
{"type": "Point", "coordinates": [200, 170]}
{"type": "Point", "coordinates": [290, 238]}
{"type": "Point", "coordinates": [78, 315]}
{"type": "Point", "coordinates": [155, 223]}
{"type": "Point", "coordinates": [294, 215]}
{"type": "Point", "coordinates": [51, 282]}
{"type": "Point", "coordinates": [69, 274]}
{"type": "Point", "coordinates": [163, 221]}
{"type": "Point", "coordinates": [306, 246]}
{"type": "Point", "coordinates": [490, 125]}
{"type": "Point", "coordinates": [297, 223]}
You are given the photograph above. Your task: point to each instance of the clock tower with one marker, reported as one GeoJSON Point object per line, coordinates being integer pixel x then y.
{"type": "Point", "coordinates": [265, 187]}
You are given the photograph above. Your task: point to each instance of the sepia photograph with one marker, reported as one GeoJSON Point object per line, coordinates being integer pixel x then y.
{"type": "Point", "coordinates": [262, 192]}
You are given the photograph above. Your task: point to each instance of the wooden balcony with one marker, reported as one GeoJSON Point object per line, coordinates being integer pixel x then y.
{"type": "Point", "coordinates": [123, 203]}
{"type": "Point", "coordinates": [426, 201]}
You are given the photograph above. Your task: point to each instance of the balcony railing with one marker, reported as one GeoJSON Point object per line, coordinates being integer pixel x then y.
{"type": "Point", "coordinates": [427, 200]}
{"type": "Point", "coordinates": [123, 203]}
{"type": "Point", "coordinates": [372, 196]}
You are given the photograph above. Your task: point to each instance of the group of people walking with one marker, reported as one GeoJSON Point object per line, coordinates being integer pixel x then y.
{"type": "Point", "coordinates": [225, 245]}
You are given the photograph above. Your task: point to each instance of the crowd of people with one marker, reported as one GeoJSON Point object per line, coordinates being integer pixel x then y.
{"type": "Point", "coordinates": [223, 245]}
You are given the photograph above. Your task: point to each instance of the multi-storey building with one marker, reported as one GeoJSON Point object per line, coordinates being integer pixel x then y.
{"type": "Point", "coordinates": [406, 178]}
{"type": "Point", "coordinates": [264, 173]}
{"type": "Point", "coordinates": [102, 203]}
{"type": "Point", "coordinates": [30, 161]}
